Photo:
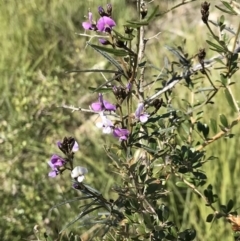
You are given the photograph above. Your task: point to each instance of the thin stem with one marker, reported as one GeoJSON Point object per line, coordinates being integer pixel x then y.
{"type": "Point", "coordinates": [193, 187]}
{"type": "Point", "coordinates": [218, 135]}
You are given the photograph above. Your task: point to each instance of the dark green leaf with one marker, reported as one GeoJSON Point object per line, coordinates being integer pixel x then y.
{"type": "Point", "coordinates": [224, 120]}
{"type": "Point", "coordinates": [116, 52]}
{"type": "Point", "coordinates": [121, 37]}
{"type": "Point", "coordinates": [92, 71]}
{"type": "Point", "coordinates": [108, 57]}
{"type": "Point", "coordinates": [137, 23]}
{"type": "Point", "coordinates": [230, 205]}
{"type": "Point", "coordinates": [210, 218]}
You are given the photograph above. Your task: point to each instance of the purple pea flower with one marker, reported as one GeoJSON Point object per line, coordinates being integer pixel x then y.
{"type": "Point", "coordinates": [89, 25]}
{"type": "Point", "coordinates": [122, 134]}
{"type": "Point", "coordinates": [105, 24]}
{"type": "Point", "coordinates": [106, 124]}
{"type": "Point", "coordinates": [55, 163]}
{"type": "Point", "coordinates": [104, 41]}
{"type": "Point", "coordinates": [102, 105]}
{"type": "Point", "coordinates": [140, 115]}
{"type": "Point", "coordinates": [75, 147]}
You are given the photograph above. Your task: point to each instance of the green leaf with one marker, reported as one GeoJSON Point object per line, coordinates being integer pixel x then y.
{"type": "Point", "coordinates": [181, 184]}
{"type": "Point", "coordinates": [224, 120]}
{"type": "Point", "coordinates": [230, 99]}
{"type": "Point", "coordinates": [91, 71]}
{"type": "Point", "coordinates": [226, 11]}
{"type": "Point", "coordinates": [217, 48]}
{"type": "Point", "coordinates": [108, 57]}
{"type": "Point", "coordinates": [228, 6]}
{"type": "Point", "coordinates": [210, 218]}
{"type": "Point", "coordinates": [116, 52]}
{"type": "Point", "coordinates": [153, 14]}
{"type": "Point", "coordinates": [213, 124]}
{"type": "Point", "coordinates": [121, 37]}
{"type": "Point", "coordinates": [137, 23]}
{"type": "Point", "coordinates": [221, 20]}
{"type": "Point", "coordinates": [230, 205]}
{"type": "Point", "coordinates": [100, 90]}
{"type": "Point", "coordinates": [223, 79]}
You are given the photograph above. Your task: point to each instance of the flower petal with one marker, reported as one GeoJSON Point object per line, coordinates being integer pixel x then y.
{"type": "Point", "coordinates": [52, 174]}
{"type": "Point", "coordinates": [139, 110]}
{"type": "Point", "coordinates": [97, 106]}
{"type": "Point", "coordinates": [75, 147]}
{"type": "Point", "coordinates": [109, 106]}
{"type": "Point", "coordinates": [121, 133]}
{"type": "Point", "coordinates": [144, 117]}
{"type": "Point", "coordinates": [104, 41]}
{"type": "Point", "coordinates": [80, 178]}
{"type": "Point", "coordinates": [104, 23]}
{"type": "Point", "coordinates": [87, 25]}
{"type": "Point", "coordinates": [78, 171]}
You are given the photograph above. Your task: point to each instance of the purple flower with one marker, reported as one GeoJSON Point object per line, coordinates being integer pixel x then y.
{"type": "Point", "coordinates": [75, 147]}
{"type": "Point", "coordinates": [89, 25]}
{"type": "Point", "coordinates": [122, 134]}
{"type": "Point", "coordinates": [105, 24]}
{"type": "Point", "coordinates": [104, 41]}
{"type": "Point", "coordinates": [55, 163]}
{"type": "Point", "coordinates": [106, 124]}
{"type": "Point", "coordinates": [143, 117]}
{"type": "Point", "coordinates": [102, 105]}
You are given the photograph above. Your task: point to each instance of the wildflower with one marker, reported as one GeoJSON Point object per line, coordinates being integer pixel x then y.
{"type": "Point", "coordinates": [55, 163]}
{"type": "Point", "coordinates": [143, 117]}
{"type": "Point", "coordinates": [78, 173]}
{"type": "Point", "coordinates": [102, 105]}
{"type": "Point", "coordinates": [102, 12]}
{"type": "Point", "coordinates": [105, 24]}
{"type": "Point", "coordinates": [104, 41]}
{"type": "Point", "coordinates": [122, 134]}
{"type": "Point", "coordinates": [106, 124]}
{"type": "Point", "coordinates": [68, 145]}
{"type": "Point", "coordinates": [89, 25]}
{"type": "Point", "coordinates": [75, 147]}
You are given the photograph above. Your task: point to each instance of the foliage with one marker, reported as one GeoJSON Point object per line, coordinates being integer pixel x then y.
{"type": "Point", "coordinates": [165, 175]}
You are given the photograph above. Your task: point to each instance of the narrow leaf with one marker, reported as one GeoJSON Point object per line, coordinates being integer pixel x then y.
{"type": "Point", "coordinates": [91, 71]}
{"type": "Point", "coordinates": [218, 47]}
{"type": "Point", "coordinates": [226, 11]}
{"type": "Point", "coordinates": [116, 52]}
{"type": "Point", "coordinates": [108, 57]}
{"type": "Point", "coordinates": [229, 99]}
{"type": "Point", "coordinates": [153, 14]}
{"type": "Point", "coordinates": [224, 120]}
{"type": "Point", "coordinates": [181, 184]}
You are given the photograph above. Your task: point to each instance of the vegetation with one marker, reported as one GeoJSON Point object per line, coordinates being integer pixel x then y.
{"type": "Point", "coordinates": [39, 51]}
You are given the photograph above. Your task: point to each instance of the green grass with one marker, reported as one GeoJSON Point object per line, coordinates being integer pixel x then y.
{"type": "Point", "coordinates": [38, 44]}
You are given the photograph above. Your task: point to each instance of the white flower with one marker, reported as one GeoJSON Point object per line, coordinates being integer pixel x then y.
{"type": "Point", "coordinates": [78, 172]}
{"type": "Point", "coordinates": [106, 124]}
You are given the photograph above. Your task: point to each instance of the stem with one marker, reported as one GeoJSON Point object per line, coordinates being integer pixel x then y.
{"type": "Point", "coordinates": [218, 135]}
{"type": "Point", "coordinates": [190, 185]}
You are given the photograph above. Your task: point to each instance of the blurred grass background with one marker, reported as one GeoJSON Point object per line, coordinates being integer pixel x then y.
{"type": "Point", "coordinates": [38, 44]}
